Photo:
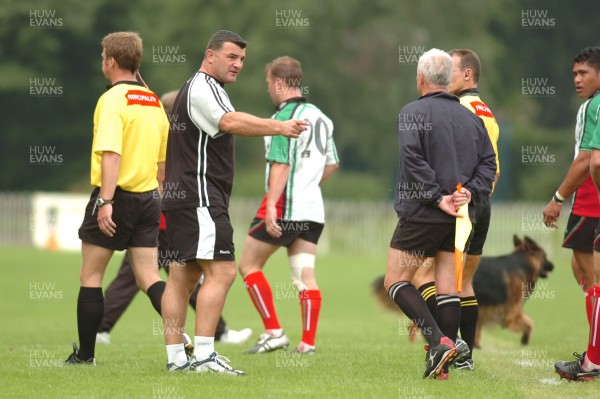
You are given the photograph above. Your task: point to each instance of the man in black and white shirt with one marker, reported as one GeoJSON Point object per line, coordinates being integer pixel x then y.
{"type": "Point", "coordinates": [197, 186]}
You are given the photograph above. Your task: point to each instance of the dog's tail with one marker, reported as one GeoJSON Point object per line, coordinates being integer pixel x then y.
{"type": "Point", "coordinates": [382, 296]}
{"type": "Point", "coordinates": [377, 285]}
{"type": "Point", "coordinates": [384, 299]}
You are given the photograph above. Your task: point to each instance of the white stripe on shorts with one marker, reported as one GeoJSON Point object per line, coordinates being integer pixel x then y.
{"type": "Point", "coordinates": [207, 235]}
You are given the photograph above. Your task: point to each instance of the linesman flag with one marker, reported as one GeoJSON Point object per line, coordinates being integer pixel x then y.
{"type": "Point", "coordinates": [463, 230]}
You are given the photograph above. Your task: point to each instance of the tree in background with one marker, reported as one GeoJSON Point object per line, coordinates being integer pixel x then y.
{"type": "Point", "coordinates": [359, 59]}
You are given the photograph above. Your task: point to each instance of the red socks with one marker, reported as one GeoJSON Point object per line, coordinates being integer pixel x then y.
{"type": "Point", "coordinates": [588, 304]}
{"type": "Point", "coordinates": [588, 307]}
{"type": "Point", "coordinates": [310, 305]}
{"type": "Point", "coordinates": [260, 292]}
{"type": "Point", "coordinates": [592, 301]}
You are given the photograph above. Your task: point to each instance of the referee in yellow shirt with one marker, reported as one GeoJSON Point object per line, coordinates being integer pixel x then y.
{"type": "Point", "coordinates": [128, 155]}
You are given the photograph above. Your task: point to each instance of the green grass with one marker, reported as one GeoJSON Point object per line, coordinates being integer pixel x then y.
{"type": "Point", "coordinates": [362, 350]}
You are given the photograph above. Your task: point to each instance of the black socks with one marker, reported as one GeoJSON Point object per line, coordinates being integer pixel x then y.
{"type": "Point", "coordinates": [90, 309]}
{"type": "Point", "coordinates": [414, 307]}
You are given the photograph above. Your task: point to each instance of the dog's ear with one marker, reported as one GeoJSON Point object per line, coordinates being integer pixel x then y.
{"type": "Point", "coordinates": [516, 241]}
{"type": "Point", "coordinates": [530, 245]}
{"type": "Point", "coordinates": [530, 242]}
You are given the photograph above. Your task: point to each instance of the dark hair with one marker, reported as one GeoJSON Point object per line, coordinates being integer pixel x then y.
{"type": "Point", "coordinates": [589, 55]}
{"type": "Point", "coordinates": [288, 69]}
{"type": "Point", "coordinates": [223, 36]}
{"type": "Point", "coordinates": [468, 59]}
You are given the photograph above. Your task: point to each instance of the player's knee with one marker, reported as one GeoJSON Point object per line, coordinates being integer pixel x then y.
{"type": "Point", "coordinates": [298, 263]}
{"type": "Point", "coordinates": [389, 280]}
{"type": "Point", "coordinates": [246, 268]}
{"type": "Point", "coordinates": [242, 269]}
{"type": "Point", "coordinates": [587, 282]}
{"type": "Point", "coordinates": [228, 274]}
{"type": "Point", "coordinates": [595, 160]}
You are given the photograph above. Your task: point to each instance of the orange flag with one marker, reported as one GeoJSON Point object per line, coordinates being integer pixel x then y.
{"type": "Point", "coordinates": [463, 230]}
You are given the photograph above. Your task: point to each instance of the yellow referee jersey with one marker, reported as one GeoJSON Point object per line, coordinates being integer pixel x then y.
{"type": "Point", "coordinates": [130, 121]}
{"type": "Point", "coordinates": [470, 99]}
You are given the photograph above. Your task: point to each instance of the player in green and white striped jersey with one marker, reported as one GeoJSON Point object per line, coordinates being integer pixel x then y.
{"type": "Point", "coordinates": [291, 213]}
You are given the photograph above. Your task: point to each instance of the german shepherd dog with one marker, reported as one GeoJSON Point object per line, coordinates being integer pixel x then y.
{"type": "Point", "coordinates": [501, 284]}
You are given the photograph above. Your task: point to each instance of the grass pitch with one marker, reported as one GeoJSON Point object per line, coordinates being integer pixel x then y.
{"type": "Point", "coordinates": [363, 350]}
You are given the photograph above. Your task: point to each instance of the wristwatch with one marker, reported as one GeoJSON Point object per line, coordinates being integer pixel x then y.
{"type": "Point", "coordinates": [100, 202]}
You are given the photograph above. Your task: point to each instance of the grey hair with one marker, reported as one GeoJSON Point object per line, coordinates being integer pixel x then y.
{"type": "Point", "coordinates": [436, 66]}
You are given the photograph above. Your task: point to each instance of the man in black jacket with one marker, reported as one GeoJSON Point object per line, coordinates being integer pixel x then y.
{"type": "Point", "coordinates": [441, 144]}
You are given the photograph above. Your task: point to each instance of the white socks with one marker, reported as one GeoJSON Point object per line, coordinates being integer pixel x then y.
{"type": "Point", "coordinates": [203, 347]}
{"type": "Point", "coordinates": [176, 354]}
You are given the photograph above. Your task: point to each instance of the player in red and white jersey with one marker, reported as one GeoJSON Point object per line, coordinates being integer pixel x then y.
{"type": "Point", "coordinates": [582, 230]}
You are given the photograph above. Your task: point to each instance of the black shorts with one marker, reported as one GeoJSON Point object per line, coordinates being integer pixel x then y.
{"type": "Point", "coordinates": [137, 216]}
{"type": "Point", "coordinates": [200, 233]}
{"type": "Point", "coordinates": [165, 253]}
{"type": "Point", "coordinates": [308, 231]}
{"type": "Point", "coordinates": [424, 239]}
{"type": "Point", "coordinates": [480, 228]}
{"type": "Point", "coordinates": [597, 237]}
{"type": "Point", "coordinates": [580, 233]}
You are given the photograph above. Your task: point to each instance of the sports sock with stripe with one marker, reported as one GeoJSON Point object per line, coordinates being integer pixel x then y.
{"type": "Point", "coordinates": [469, 312]}
{"type": "Point", "coordinates": [449, 314]}
{"type": "Point", "coordinates": [262, 297]}
{"type": "Point", "coordinates": [588, 304]}
{"type": "Point", "coordinates": [428, 293]}
{"type": "Point", "coordinates": [414, 307]}
{"type": "Point", "coordinates": [593, 349]}
{"type": "Point", "coordinates": [310, 306]}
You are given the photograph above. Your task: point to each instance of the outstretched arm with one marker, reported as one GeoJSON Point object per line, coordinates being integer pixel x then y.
{"type": "Point", "coordinates": [243, 124]}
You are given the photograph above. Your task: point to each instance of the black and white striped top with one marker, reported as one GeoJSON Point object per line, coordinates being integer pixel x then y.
{"type": "Point", "coordinates": [200, 158]}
